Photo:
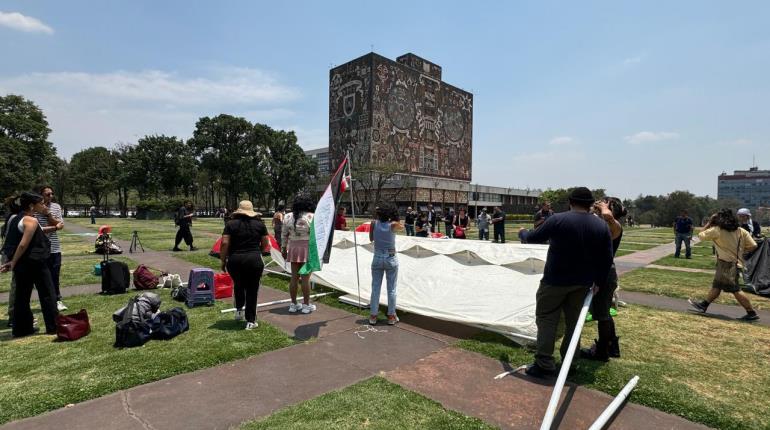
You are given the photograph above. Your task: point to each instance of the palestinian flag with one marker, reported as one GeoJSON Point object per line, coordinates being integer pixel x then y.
{"type": "Point", "coordinates": [322, 226]}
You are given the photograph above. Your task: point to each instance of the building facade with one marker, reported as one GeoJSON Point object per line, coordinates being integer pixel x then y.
{"type": "Point", "coordinates": [749, 187]}
{"type": "Point", "coordinates": [401, 114]}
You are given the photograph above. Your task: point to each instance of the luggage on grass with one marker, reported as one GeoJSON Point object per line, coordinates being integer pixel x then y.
{"type": "Point", "coordinates": [72, 327]}
{"type": "Point", "coordinates": [169, 324]}
{"type": "Point", "coordinates": [200, 287]}
{"type": "Point", "coordinates": [115, 277]}
{"type": "Point", "coordinates": [144, 279]}
{"type": "Point", "coordinates": [223, 286]}
{"type": "Point", "coordinates": [147, 304]}
{"type": "Point", "coordinates": [130, 332]}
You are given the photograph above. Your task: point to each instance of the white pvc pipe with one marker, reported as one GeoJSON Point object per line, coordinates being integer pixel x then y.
{"type": "Point", "coordinates": [565, 365]}
{"type": "Point", "coordinates": [278, 302]}
{"type": "Point", "coordinates": [614, 405]}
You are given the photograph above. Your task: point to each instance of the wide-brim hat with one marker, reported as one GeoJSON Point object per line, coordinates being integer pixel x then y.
{"type": "Point", "coordinates": [744, 211]}
{"type": "Point", "coordinates": [581, 195]}
{"type": "Point", "coordinates": [245, 207]}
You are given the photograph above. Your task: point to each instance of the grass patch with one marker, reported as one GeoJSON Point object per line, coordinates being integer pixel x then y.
{"type": "Point", "coordinates": [73, 245]}
{"type": "Point", "coordinates": [372, 404]}
{"type": "Point", "coordinates": [40, 375]}
{"type": "Point", "coordinates": [681, 285]}
{"type": "Point", "coordinates": [157, 235]}
{"type": "Point", "coordinates": [703, 369]}
{"type": "Point", "coordinates": [702, 258]}
{"type": "Point", "coordinates": [74, 271]}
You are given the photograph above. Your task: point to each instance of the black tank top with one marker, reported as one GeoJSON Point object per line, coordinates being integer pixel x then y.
{"type": "Point", "coordinates": [616, 243]}
{"type": "Point", "coordinates": [39, 247]}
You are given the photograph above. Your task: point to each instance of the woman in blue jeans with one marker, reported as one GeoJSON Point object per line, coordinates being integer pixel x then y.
{"type": "Point", "coordinates": [385, 262]}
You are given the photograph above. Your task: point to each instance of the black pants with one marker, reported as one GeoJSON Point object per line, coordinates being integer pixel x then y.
{"type": "Point", "coordinates": [448, 230]}
{"type": "Point", "coordinates": [54, 266]}
{"type": "Point", "coordinates": [183, 233]}
{"type": "Point", "coordinates": [602, 301]}
{"type": "Point", "coordinates": [31, 273]}
{"type": "Point", "coordinates": [246, 271]}
{"type": "Point", "coordinates": [500, 234]}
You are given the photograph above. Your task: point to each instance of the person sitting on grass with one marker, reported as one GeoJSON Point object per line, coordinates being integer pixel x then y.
{"type": "Point", "coordinates": [731, 243]}
{"type": "Point", "coordinates": [384, 262]}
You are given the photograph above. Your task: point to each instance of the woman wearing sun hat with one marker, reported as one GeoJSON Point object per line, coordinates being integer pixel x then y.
{"type": "Point", "coordinates": [244, 238]}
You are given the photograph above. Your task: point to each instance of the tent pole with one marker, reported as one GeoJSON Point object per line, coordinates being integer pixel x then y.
{"type": "Point", "coordinates": [565, 365]}
{"type": "Point", "coordinates": [614, 405]}
{"type": "Point", "coordinates": [355, 241]}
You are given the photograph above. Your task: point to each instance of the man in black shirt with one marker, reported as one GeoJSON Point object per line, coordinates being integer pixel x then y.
{"type": "Point", "coordinates": [579, 257]}
{"type": "Point", "coordinates": [432, 218]}
{"type": "Point", "coordinates": [409, 220]}
{"type": "Point", "coordinates": [183, 219]}
{"type": "Point", "coordinates": [498, 221]}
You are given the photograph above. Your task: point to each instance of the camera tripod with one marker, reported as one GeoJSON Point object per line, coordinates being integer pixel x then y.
{"type": "Point", "coordinates": [134, 242]}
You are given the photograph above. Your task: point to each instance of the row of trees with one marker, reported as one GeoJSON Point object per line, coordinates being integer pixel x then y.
{"type": "Point", "coordinates": [655, 210]}
{"type": "Point", "coordinates": [226, 159]}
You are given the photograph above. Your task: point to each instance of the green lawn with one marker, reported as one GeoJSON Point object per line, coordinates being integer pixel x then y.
{"type": "Point", "coordinates": [706, 370]}
{"type": "Point", "coordinates": [702, 258]}
{"type": "Point", "coordinates": [680, 285]}
{"type": "Point", "coordinates": [153, 234]}
{"type": "Point", "coordinates": [371, 404]}
{"type": "Point", "coordinates": [39, 375]}
{"type": "Point", "coordinates": [74, 271]}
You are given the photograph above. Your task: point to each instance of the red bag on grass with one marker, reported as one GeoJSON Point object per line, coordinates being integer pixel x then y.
{"type": "Point", "coordinates": [223, 286]}
{"type": "Point", "coordinates": [144, 279]}
{"type": "Point", "coordinates": [72, 327]}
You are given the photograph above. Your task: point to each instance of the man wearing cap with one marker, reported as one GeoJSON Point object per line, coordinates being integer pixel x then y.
{"type": "Point", "coordinates": [749, 224]}
{"type": "Point", "coordinates": [579, 258]}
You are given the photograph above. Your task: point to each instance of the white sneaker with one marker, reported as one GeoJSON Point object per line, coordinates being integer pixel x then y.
{"type": "Point", "coordinates": [306, 309]}
{"type": "Point", "coordinates": [60, 306]}
{"type": "Point", "coordinates": [239, 315]}
{"type": "Point", "coordinates": [251, 326]}
{"type": "Point", "coordinates": [295, 307]}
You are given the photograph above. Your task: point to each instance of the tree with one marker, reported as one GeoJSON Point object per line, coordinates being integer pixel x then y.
{"type": "Point", "coordinates": [228, 149]}
{"type": "Point", "coordinates": [26, 155]}
{"type": "Point", "coordinates": [61, 181]}
{"type": "Point", "coordinates": [94, 173]}
{"type": "Point", "coordinates": [289, 169]}
{"type": "Point", "coordinates": [158, 164]}
{"type": "Point", "coordinates": [371, 178]}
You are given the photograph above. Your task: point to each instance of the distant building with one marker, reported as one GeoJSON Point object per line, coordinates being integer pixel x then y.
{"type": "Point", "coordinates": [321, 157]}
{"type": "Point", "coordinates": [749, 187]}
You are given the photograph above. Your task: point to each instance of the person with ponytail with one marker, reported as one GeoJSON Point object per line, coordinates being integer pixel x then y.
{"type": "Point", "coordinates": [9, 244]}
{"type": "Point", "coordinates": [295, 239]}
{"type": "Point", "coordinates": [29, 250]}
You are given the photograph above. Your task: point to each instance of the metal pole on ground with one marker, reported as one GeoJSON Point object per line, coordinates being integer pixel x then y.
{"type": "Point", "coordinates": [614, 405]}
{"type": "Point", "coordinates": [355, 241]}
{"type": "Point", "coordinates": [565, 365]}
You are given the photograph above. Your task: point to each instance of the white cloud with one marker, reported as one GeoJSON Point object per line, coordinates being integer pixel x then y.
{"type": "Point", "coordinates": [630, 61]}
{"type": "Point", "coordinates": [90, 109]}
{"type": "Point", "coordinates": [24, 23]}
{"type": "Point", "coordinates": [562, 140]}
{"type": "Point", "coordinates": [650, 136]}
{"type": "Point", "coordinates": [737, 142]}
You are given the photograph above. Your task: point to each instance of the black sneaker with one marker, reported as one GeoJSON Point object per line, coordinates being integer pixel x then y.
{"type": "Point", "coordinates": [192, 248]}
{"type": "Point", "coordinates": [176, 249]}
{"type": "Point", "coordinates": [536, 371]}
{"type": "Point", "coordinates": [698, 306]}
{"type": "Point", "coordinates": [751, 316]}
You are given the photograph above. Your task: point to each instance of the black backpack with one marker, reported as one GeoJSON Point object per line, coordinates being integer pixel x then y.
{"type": "Point", "coordinates": [115, 277]}
{"type": "Point", "coordinates": [130, 332]}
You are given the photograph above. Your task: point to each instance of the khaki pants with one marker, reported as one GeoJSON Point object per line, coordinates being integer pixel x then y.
{"type": "Point", "coordinates": [551, 302]}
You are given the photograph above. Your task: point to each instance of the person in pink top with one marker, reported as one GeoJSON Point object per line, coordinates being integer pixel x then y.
{"type": "Point", "coordinates": [295, 239]}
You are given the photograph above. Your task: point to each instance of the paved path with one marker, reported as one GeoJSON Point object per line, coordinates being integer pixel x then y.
{"type": "Point", "coordinates": [638, 259]}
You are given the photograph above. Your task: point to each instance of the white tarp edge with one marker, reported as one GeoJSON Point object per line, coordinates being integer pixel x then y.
{"type": "Point", "coordinates": [464, 281]}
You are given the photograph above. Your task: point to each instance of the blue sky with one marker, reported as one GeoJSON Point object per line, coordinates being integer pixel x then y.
{"type": "Point", "coordinates": [635, 98]}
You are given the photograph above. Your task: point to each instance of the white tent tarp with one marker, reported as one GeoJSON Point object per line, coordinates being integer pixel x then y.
{"type": "Point", "coordinates": [465, 281]}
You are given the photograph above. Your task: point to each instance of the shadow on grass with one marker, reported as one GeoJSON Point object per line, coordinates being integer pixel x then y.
{"type": "Point", "coordinates": [227, 325]}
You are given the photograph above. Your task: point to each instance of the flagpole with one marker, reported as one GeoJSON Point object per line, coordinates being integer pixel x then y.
{"type": "Point", "coordinates": [355, 241]}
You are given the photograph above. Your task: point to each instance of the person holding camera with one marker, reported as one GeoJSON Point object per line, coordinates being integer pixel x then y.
{"type": "Point", "coordinates": [611, 210]}
{"type": "Point", "coordinates": [731, 243]}
{"type": "Point", "coordinates": [579, 258]}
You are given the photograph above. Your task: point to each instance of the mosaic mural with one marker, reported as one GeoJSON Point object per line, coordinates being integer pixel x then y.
{"type": "Point", "coordinates": [389, 113]}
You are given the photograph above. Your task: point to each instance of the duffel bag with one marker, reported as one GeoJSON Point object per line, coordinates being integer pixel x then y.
{"type": "Point", "coordinates": [169, 324]}
{"type": "Point", "coordinates": [144, 279]}
{"type": "Point", "coordinates": [72, 327]}
{"type": "Point", "coordinates": [129, 332]}
{"type": "Point", "coordinates": [223, 286]}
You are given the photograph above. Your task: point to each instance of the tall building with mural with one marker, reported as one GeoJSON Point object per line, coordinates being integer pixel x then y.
{"type": "Point", "coordinates": [402, 115]}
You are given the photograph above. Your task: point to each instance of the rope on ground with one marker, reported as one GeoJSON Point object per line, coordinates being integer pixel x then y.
{"type": "Point", "coordinates": [368, 329]}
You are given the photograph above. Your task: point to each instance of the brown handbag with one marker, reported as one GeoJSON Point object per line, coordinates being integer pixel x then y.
{"type": "Point", "coordinates": [72, 327]}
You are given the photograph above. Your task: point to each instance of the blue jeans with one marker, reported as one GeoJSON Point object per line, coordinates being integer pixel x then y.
{"type": "Point", "coordinates": [410, 229]}
{"type": "Point", "coordinates": [484, 234]}
{"type": "Point", "coordinates": [387, 265]}
{"type": "Point", "coordinates": [683, 237]}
